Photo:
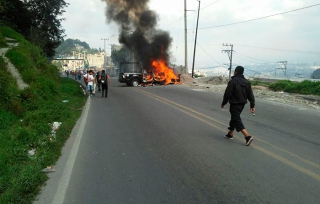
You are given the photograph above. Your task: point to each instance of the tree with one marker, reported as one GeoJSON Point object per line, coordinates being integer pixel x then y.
{"type": "Point", "coordinates": [15, 14]}
{"type": "Point", "coordinates": [46, 29]}
{"type": "Point", "coordinates": [120, 56]}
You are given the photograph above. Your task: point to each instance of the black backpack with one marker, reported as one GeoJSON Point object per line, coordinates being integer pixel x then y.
{"type": "Point", "coordinates": [103, 78]}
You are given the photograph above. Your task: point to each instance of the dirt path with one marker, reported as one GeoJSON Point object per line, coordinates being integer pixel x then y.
{"type": "Point", "coordinates": [15, 73]}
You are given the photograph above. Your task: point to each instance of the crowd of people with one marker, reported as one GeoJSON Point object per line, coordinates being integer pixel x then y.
{"type": "Point", "coordinates": [93, 80]}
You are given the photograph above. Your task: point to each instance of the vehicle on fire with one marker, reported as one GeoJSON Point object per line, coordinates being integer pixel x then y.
{"type": "Point", "coordinates": [133, 74]}
{"type": "Point", "coordinates": [130, 73]}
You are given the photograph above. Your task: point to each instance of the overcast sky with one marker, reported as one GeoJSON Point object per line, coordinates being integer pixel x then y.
{"type": "Point", "coordinates": [292, 37]}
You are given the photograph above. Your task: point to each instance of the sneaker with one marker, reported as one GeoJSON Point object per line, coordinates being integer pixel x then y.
{"type": "Point", "coordinates": [228, 136]}
{"type": "Point", "coordinates": [248, 140]}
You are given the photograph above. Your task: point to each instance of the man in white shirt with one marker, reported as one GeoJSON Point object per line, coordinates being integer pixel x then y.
{"type": "Point", "coordinates": [89, 79]}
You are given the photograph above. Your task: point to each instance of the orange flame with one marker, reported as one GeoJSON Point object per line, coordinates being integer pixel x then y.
{"type": "Point", "coordinates": [163, 73]}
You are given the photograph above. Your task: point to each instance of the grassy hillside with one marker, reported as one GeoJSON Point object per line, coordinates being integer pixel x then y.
{"type": "Point", "coordinates": [24, 118]}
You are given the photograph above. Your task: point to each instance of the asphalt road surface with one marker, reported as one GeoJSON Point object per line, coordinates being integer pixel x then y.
{"type": "Point", "coordinates": [165, 144]}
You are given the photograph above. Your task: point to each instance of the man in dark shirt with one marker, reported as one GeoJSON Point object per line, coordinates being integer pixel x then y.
{"type": "Point", "coordinates": [237, 93]}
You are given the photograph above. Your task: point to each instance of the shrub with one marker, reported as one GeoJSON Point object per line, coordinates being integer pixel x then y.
{"type": "Point", "coordinates": [304, 87]}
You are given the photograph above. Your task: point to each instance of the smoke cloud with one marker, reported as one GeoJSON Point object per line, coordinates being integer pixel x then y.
{"type": "Point", "coordinates": [138, 32]}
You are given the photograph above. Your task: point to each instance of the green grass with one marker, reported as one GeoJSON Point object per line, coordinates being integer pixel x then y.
{"type": "Point", "coordinates": [261, 83]}
{"type": "Point", "coordinates": [24, 118]}
{"type": "Point", "coordinates": [3, 42]}
{"type": "Point", "coordinates": [305, 87]}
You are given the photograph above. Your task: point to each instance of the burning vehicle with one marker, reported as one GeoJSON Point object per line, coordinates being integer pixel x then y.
{"type": "Point", "coordinates": [133, 74]}
{"type": "Point", "coordinates": [149, 45]}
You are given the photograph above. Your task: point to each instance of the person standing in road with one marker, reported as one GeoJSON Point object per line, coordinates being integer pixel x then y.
{"type": "Point", "coordinates": [98, 80]}
{"type": "Point", "coordinates": [237, 93]}
{"type": "Point", "coordinates": [89, 79]}
{"type": "Point", "coordinates": [94, 83]}
{"type": "Point", "coordinates": [105, 81]}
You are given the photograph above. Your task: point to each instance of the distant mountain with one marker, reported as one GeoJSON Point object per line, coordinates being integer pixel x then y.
{"type": "Point", "coordinates": [316, 74]}
{"type": "Point", "coordinates": [68, 46]}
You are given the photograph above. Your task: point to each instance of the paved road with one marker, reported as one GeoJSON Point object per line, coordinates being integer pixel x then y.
{"type": "Point", "coordinates": [165, 144]}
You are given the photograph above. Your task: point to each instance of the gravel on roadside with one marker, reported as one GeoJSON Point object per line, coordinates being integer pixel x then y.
{"type": "Point", "coordinates": [219, 84]}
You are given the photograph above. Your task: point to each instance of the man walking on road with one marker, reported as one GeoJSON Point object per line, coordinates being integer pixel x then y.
{"type": "Point", "coordinates": [105, 80]}
{"type": "Point", "coordinates": [89, 81]}
{"type": "Point", "coordinates": [237, 93]}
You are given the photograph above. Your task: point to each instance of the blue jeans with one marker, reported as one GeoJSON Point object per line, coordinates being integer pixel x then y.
{"type": "Point", "coordinates": [90, 88]}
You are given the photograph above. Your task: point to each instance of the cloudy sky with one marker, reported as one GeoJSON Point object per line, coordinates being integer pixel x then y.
{"type": "Point", "coordinates": [292, 36]}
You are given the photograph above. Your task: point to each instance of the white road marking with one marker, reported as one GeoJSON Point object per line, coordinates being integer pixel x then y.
{"type": "Point", "coordinates": [65, 178]}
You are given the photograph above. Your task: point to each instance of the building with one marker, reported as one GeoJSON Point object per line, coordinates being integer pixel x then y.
{"type": "Point", "coordinates": [96, 60]}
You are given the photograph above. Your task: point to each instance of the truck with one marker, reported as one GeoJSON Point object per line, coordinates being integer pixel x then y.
{"type": "Point", "coordinates": [130, 73]}
{"type": "Point", "coordinates": [133, 74]}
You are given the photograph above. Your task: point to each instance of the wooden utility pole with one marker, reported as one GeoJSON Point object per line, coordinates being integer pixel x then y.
{"type": "Point", "coordinates": [229, 52]}
{"type": "Point", "coordinates": [185, 37]}
{"type": "Point", "coordinates": [195, 42]}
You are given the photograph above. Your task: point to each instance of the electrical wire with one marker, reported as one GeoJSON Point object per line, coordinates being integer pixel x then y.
{"type": "Point", "coordinates": [207, 53]}
{"type": "Point", "coordinates": [253, 58]}
{"type": "Point", "coordinates": [190, 14]}
{"type": "Point", "coordinates": [299, 51]}
{"type": "Point", "coordinates": [261, 17]}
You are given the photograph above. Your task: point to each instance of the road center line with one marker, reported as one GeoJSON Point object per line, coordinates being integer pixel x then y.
{"type": "Point", "coordinates": [184, 109]}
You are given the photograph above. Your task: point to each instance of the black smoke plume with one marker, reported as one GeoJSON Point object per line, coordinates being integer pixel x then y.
{"type": "Point", "coordinates": [138, 32]}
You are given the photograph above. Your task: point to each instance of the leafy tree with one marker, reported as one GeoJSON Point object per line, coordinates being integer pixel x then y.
{"type": "Point", "coordinates": [15, 14]}
{"type": "Point", "coordinates": [46, 31]}
{"type": "Point", "coordinates": [120, 55]}
{"type": "Point", "coordinates": [37, 20]}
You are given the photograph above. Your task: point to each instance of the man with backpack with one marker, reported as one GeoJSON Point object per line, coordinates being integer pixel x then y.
{"type": "Point", "coordinates": [105, 81]}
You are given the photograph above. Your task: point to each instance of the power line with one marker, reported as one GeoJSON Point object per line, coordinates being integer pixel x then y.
{"type": "Point", "coordinates": [191, 14]}
{"type": "Point", "coordinates": [253, 58]}
{"type": "Point", "coordinates": [261, 17]}
{"type": "Point", "coordinates": [207, 53]}
{"type": "Point", "coordinates": [209, 5]}
{"type": "Point", "coordinates": [299, 51]}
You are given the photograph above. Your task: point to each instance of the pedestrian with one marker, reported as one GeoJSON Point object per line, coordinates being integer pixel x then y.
{"type": "Point", "coordinates": [105, 81]}
{"type": "Point", "coordinates": [89, 79]}
{"type": "Point", "coordinates": [98, 81]}
{"type": "Point", "coordinates": [94, 83]}
{"type": "Point", "coordinates": [85, 77]}
{"type": "Point", "coordinates": [237, 93]}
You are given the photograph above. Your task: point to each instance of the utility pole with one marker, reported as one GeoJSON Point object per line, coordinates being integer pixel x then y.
{"type": "Point", "coordinates": [283, 67]}
{"type": "Point", "coordinates": [195, 42]}
{"type": "Point", "coordinates": [104, 60]}
{"type": "Point", "coordinates": [185, 37]}
{"type": "Point", "coordinates": [229, 52]}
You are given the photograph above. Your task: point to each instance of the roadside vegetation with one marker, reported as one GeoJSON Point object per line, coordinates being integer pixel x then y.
{"type": "Point", "coordinates": [25, 116]}
{"type": "Point", "coordinates": [305, 87]}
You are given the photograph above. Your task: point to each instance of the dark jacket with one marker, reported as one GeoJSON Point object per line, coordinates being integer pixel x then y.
{"type": "Point", "coordinates": [238, 91]}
